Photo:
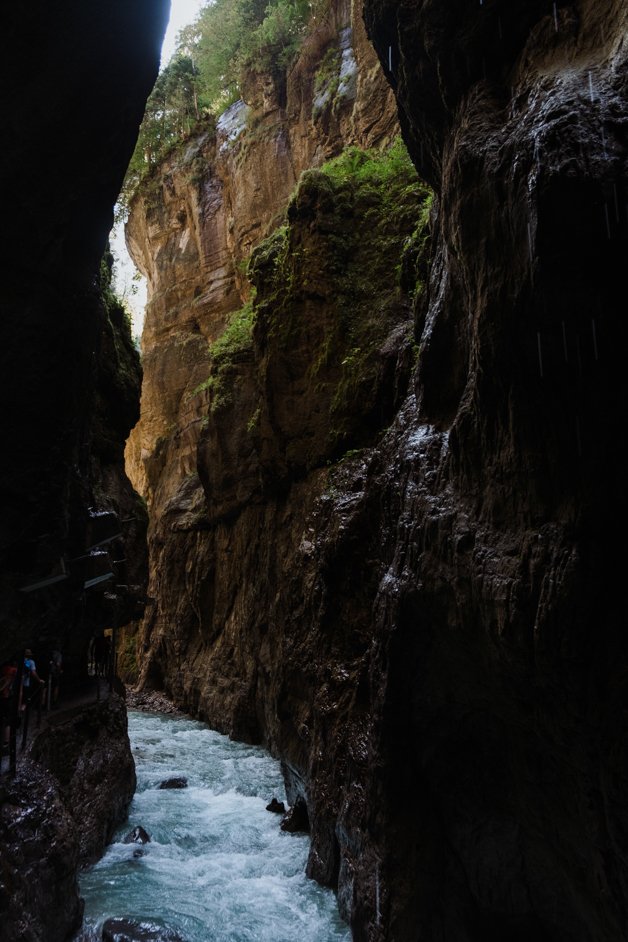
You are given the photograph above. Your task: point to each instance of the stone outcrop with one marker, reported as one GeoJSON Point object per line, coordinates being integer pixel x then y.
{"type": "Point", "coordinates": [203, 211]}
{"type": "Point", "coordinates": [57, 815]}
{"type": "Point", "coordinates": [90, 757]}
{"type": "Point", "coordinates": [427, 625]}
{"type": "Point", "coordinates": [499, 670]}
{"type": "Point", "coordinates": [39, 898]}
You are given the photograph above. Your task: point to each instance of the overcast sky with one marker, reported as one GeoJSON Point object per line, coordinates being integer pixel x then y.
{"type": "Point", "coordinates": [182, 12]}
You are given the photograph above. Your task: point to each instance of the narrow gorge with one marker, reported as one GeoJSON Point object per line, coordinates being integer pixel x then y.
{"type": "Point", "coordinates": [374, 514]}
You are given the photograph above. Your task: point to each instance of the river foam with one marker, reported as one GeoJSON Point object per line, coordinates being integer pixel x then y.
{"type": "Point", "coordinates": [218, 869]}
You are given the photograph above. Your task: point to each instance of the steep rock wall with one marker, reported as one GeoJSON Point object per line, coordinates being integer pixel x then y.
{"type": "Point", "coordinates": [89, 756]}
{"type": "Point", "coordinates": [223, 633]}
{"type": "Point", "coordinates": [429, 631]}
{"type": "Point", "coordinates": [500, 662]}
{"type": "Point", "coordinates": [39, 897]}
{"type": "Point", "coordinates": [195, 223]}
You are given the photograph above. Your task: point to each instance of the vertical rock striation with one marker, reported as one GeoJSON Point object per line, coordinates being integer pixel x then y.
{"type": "Point", "coordinates": [500, 665]}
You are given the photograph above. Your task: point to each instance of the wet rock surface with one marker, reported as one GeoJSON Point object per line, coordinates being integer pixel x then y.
{"type": "Point", "coordinates": [497, 652]}
{"type": "Point", "coordinates": [69, 381]}
{"type": "Point", "coordinates": [90, 757]}
{"type": "Point", "coordinates": [276, 806]}
{"type": "Point", "coordinates": [39, 857]}
{"type": "Point", "coordinates": [296, 819]}
{"type": "Point", "coordinates": [128, 930]}
{"type": "Point", "coordinates": [137, 836]}
{"type": "Point", "coordinates": [150, 701]}
{"type": "Point", "coordinates": [179, 782]}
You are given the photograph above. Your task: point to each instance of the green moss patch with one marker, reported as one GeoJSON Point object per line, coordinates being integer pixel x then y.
{"type": "Point", "coordinates": [332, 285]}
{"type": "Point", "coordinates": [235, 341]}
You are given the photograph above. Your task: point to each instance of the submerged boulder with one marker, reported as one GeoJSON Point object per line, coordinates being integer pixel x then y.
{"type": "Point", "coordinates": [177, 782]}
{"type": "Point", "coordinates": [128, 930]}
{"type": "Point", "coordinates": [137, 836]}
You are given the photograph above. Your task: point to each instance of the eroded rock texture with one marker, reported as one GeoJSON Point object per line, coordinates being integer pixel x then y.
{"type": "Point", "coordinates": [430, 631]}
{"type": "Point", "coordinates": [39, 899]}
{"type": "Point", "coordinates": [500, 664]}
{"type": "Point", "coordinates": [90, 757]}
{"type": "Point", "coordinates": [59, 812]}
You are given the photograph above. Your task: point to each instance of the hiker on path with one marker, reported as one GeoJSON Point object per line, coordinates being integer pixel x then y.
{"type": "Point", "coordinates": [30, 678]}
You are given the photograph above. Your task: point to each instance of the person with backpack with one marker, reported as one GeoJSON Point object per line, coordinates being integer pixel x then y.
{"type": "Point", "coordinates": [29, 676]}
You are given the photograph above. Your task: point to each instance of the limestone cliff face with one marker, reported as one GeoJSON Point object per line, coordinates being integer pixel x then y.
{"type": "Point", "coordinates": [197, 221]}
{"type": "Point", "coordinates": [415, 601]}
{"type": "Point", "coordinates": [234, 450]}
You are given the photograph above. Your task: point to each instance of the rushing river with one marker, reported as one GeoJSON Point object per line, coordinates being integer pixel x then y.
{"type": "Point", "coordinates": [218, 868]}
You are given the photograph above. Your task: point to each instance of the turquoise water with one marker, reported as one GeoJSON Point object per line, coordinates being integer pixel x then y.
{"type": "Point", "coordinates": [218, 869]}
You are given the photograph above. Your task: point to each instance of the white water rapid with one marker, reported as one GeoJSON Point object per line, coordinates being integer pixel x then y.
{"type": "Point", "coordinates": [217, 869]}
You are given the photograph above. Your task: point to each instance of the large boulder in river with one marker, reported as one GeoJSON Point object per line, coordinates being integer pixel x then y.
{"type": "Point", "coordinates": [276, 806]}
{"type": "Point", "coordinates": [297, 818]}
{"type": "Point", "coordinates": [128, 930]}
{"type": "Point", "coordinates": [177, 782]}
{"type": "Point", "coordinates": [137, 836]}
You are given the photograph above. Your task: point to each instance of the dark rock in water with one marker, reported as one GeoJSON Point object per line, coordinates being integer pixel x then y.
{"type": "Point", "coordinates": [277, 807]}
{"type": "Point", "coordinates": [174, 783]}
{"type": "Point", "coordinates": [297, 818]}
{"type": "Point", "coordinates": [128, 930]}
{"type": "Point", "coordinates": [138, 853]}
{"type": "Point", "coordinates": [137, 836]}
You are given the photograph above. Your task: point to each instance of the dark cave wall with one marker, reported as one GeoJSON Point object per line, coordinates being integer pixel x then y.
{"type": "Point", "coordinates": [499, 678]}
{"type": "Point", "coordinates": [77, 77]}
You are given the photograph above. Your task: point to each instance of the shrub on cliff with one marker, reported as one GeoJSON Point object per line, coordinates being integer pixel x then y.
{"type": "Point", "coordinates": [327, 340]}
{"type": "Point", "coordinates": [227, 39]}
